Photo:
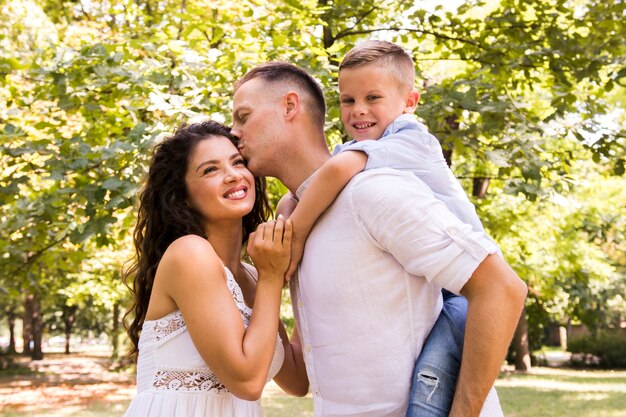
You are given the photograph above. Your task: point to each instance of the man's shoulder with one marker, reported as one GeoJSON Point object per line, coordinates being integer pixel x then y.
{"type": "Point", "coordinates": [386, 181]}
{"type": "Point", "coordinates": [383, 175]}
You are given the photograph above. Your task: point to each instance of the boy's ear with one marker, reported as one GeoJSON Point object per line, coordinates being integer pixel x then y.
{"type": "Point", "coordinates": [291, 104]}
{"type": "Point", "coordinates": [411, 102]}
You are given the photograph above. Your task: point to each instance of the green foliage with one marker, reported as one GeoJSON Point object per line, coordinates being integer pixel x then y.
{"type": "Point", "coordinates": [608, 346]}
{"type": "Point", "coordinates": [527, 94]}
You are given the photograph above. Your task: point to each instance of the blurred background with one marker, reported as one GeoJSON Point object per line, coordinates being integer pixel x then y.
{"type": "Point", "coordinates": [526, 97]}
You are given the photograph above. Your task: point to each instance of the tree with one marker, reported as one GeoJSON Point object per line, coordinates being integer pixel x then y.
{"type": "Point", "coordinates": [516, 91]}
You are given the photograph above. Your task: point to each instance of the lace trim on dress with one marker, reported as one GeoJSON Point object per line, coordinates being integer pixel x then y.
{"type": "Point", "coordinates": [168, 327]}
{"type": "Point", "coordinates": [187, 381]}
{"type": "Point", "coordinates": [238, 297]}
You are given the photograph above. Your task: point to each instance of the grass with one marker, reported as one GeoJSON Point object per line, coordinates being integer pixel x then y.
{"type": "Point", "coordinates": [94, 409]}
{"type": "Point", "coordinates": [544, 392]}
{"type": "Point", "coordinates": [550, 392]}
{"type": "Point", "coordinates": [278, 404]}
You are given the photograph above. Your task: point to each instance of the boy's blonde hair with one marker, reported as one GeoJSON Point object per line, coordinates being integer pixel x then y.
{"type": "Point", "coordinates": [384, 54]}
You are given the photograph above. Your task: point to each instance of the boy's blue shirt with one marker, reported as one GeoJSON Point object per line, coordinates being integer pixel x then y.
{"type": "Point", "coordinates": [406, 144]}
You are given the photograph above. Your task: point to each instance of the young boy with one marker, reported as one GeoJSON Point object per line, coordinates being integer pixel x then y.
{"type": "Point", "coordinates": [377, 105]}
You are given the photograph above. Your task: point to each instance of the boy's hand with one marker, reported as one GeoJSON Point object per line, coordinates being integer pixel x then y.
{"type": "Point", "coordinates": [297, 250]}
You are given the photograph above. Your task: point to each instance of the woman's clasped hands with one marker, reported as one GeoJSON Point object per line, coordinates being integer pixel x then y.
{"type": "Point", "coordinates": [270, 248]}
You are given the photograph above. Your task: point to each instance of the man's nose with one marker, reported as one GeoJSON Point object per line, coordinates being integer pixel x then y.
{"type": "Point", "coordinates": [235, 132]}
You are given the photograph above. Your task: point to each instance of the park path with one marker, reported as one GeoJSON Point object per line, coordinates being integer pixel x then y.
{"type": "Point", "coordinates": [65, 380]}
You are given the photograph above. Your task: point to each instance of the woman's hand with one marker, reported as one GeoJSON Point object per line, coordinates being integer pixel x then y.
{"type": "Point", "coordinates": [270, 247]}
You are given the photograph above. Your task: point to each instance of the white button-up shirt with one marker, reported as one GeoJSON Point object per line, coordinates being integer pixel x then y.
{"type": "Point", "coordinates": [369, 290]}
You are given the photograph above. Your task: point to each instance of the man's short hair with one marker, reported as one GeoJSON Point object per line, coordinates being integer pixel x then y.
{"type": "Point", "coordinates": [384, 54]}
{"type": "Point", "coordinates": [283, 72]}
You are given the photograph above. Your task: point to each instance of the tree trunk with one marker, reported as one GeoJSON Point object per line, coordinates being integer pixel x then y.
{"type": "Point", "coordinates": [11, 318]}
{"type": "Point", "coordinates": [520, 344]}
{"type": "Point", "coordinates": [480, 187]}
{"type": "Point", "coordinates": [37, 325]}
{"type": "Point", "coordinates": [447, 155]}
{"type": "Point", "coordinates": [69, 316]}
{"type": "Point", "coordinates": [115, 329]}
{"type": "Point", "coordinates": [27, 324]}
{"type": "Point", "coordinates": [452, 122]}
{"type": "Point", "coordinates": [563, 338]}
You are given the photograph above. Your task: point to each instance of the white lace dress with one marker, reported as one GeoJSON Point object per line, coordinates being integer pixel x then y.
{"type": "Point", "coordinates": [174, 381]}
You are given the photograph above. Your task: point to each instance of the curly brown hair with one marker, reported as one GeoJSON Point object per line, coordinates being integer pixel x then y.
{"type": "Point", "coordinates": [164, 215]}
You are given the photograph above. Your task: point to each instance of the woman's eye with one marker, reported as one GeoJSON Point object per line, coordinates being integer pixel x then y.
{"type": "Point", "coordinates": [208, 170]}
{"type": "Point", "coordinates": [240, 162]}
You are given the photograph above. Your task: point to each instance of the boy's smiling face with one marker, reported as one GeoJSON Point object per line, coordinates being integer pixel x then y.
{"type": "Point", "coordinates": [371, 98]}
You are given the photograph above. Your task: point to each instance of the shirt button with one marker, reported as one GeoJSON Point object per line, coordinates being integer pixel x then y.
{"type": "Point", "coordinates": [308, 349]}
{"type": "Point", "coordinates": [299, 304]}
{"type": "Point", "coordinates": [452, 231]}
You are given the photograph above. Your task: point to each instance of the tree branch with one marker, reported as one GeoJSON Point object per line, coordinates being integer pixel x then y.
{"type": "Point", "coordinates": [359, 20]}
{"type": "Point", "coordinates": [414, 30]}
{"type": "Point", "coordinates": [82, 9]}
{"type": "Point", "coordinates": [31, 257]}
{"type": "Point", "coordinates": [183, 10]}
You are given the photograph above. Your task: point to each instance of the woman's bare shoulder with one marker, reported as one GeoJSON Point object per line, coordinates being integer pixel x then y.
{"type": "Point", "coordinates": [190, 253]}
{"type": "Point", "coordinates": [189, 246]}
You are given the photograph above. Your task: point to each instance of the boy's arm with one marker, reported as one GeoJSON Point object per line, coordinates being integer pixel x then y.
{"type": "Point", "coordinates": [319, 195]}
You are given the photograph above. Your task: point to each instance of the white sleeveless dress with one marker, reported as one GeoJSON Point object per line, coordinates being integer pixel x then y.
{"type": "Point", "coordinates": [174, 381]}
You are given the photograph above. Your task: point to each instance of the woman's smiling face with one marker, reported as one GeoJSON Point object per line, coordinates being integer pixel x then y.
{"type": "Point", "coordinates": [219, 186]}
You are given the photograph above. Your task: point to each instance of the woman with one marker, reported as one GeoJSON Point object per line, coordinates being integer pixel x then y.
{"type": "Point", "coordinates": [203, 351]}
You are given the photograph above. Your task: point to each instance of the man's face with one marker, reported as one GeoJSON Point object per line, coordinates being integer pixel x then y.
{"type": "Point", "coordinates": [257, 123]}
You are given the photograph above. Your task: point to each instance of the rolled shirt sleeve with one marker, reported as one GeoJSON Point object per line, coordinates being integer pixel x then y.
{"type": "Point", "coordinates": [399, 213]}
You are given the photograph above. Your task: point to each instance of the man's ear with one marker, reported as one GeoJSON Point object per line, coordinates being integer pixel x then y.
{"type": "Point", "coordinates": [411, 102]}
{"type": "Point", "coordinates": [291, 104]}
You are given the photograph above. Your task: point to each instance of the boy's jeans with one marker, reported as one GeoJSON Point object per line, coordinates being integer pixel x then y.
{"type": "Point", "coordinates": [437, 367]}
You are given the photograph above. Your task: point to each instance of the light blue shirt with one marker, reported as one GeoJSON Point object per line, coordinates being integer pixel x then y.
{"type": "Point", "coordinates": [407, 145]}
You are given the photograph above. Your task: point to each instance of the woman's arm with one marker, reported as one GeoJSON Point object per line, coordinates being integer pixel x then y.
{"type": "Point", "coordinates": [327, 183]}
{"type": "Point", "coordinates": [195, 280]}
{"type": "Point", "coordinates": [292, 377]}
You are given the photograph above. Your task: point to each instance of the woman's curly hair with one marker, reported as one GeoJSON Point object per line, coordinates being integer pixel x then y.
{"type": "Point", "coordinates": [164, 214]}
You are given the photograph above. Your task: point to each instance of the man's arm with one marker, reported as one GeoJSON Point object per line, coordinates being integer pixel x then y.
{"type": "Point", "coordinates": [327, 183]}
{"type": "Point", "coordinates": [495, 297]}
{"type": "Point", "coordinates": [400, 213]}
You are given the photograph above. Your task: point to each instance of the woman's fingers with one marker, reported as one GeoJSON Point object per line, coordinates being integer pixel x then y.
{"type": "Point", "coordinates": [259, 234]}
{"type": "Point", "coordinates": [279, 228]}
{"type": "Point", "coordinates": [275, 233]}
{"type": "Point", "coordinates": [268, 230]}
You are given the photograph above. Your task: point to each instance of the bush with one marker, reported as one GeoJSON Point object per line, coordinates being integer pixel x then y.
{"type": "Point", "coordinates": [607, 349]}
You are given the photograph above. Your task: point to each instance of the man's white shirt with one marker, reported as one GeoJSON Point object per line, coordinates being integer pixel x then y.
{"type": "Point", "coordinates": [368, 290]}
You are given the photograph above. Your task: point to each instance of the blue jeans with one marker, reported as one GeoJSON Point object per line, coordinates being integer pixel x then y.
{"type": "Point", "coordinates": [437, 368]}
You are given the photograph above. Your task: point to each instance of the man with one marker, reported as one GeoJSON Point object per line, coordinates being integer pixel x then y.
{"type": "Point", "coordinates": [369, 286]}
